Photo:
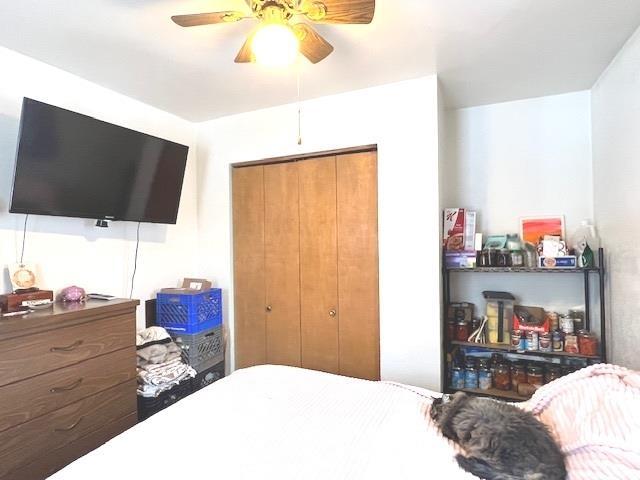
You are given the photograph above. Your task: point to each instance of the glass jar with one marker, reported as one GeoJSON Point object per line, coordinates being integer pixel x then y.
{"type": "Point", "coordinates": [502, 379]}
{"type": "Point", "coordinates": [518, 375]}
{"type": "Point", "coordinates": [566, 324]}
{"type": "Point", "coordinates": [462, 331]}
{"type": "Point", "coordinates": [496, 358]}
{"type": "Point", "coordinates": [504, 258]}
{"type": "Point", "coordinates": [587, 343]}
{"type": "Point", "coordinates": [492, 257]}
{"type": "Point", "coordinates": [535, 376]}
{"type": "Point", "coordinates": [484, 378]}
{"type": "Point", "coordinates": [578, 318]}
{"type": "Point", "coordinates": [457, 378]}
{"type": "Point", "coordinates": [451, 330]}
{"type": "Point", "coordinates": [517, 259]}
{"type": "Point", "coordinates": [553, 372]}
{"type": "Point", "coordinates": [571, 343]}
{"type": "Point", "coordinates": [558, 341]}
{"type": "Point", "coordinates": [554, 321]}
{"type": "Point", "coordinates": [471, 377]}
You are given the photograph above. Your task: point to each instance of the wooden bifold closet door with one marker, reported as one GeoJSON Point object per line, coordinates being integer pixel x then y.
{"type": "Point", "coordinates": [306, 264]}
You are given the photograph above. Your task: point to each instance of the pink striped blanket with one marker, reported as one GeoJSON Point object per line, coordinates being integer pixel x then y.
{"type": "Point", "coordinates": [595, 415]}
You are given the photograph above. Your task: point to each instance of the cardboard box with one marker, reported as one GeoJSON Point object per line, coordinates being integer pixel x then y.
{"type": "Point", "coordinates": [11, 301]}
{"type": "Point", "coordinates": [460, 259]}
{"type": "Point", "coordinates": [459, 230]}
{"type": "Point", "coordinates": [567, 262]}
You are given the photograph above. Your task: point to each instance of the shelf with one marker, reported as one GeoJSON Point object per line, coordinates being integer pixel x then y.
{"type": "Point", "coordinates": [493, 392]}
{"type": "Point", "coordinates": [510, 349]}
{"type": "Point", "coordinates": [522, 270]}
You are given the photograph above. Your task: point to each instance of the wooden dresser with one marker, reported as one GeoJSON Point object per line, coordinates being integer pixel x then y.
{"type": "Point", "coordinates": [67, 384]}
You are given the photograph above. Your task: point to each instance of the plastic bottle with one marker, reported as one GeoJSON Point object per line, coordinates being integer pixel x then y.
{"type": "Point", "coordinates": [586, 243]}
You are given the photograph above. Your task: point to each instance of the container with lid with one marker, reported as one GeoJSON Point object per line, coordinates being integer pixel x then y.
{"type": "Point", "coordinates": [463, 331]}
{"type": "Point", "coordinates": [533, 343]}
{"type": "Point", "coordinates": [484, 378]}
{"type": "Point", "coordinates": [502, 379]}
{"type": "Point", "coordinates": [557, 341]}
{"type": "Point", "coordinates": [518, 375]}
{"type": "Point", "coordinates": [588, 343]}
{"type": "Point", "coordinates": [545, 342]}
{"type": "Point", "coordinates": [535, 376]}
{"type": "Point", "coordinates": [457, 378]}
{"type": "Point", "coordinates": [553, 372]}
{"type": "Point", "coordinates": [504, 258]}
{"type": "Point", "coordinates": [470, 377]}
{"type": "Point", "coordinates": [499, 316]}
{"type": "Point", "coordinates": [571, 343]}
{"type": "Point", "coordinates": [517, 259]}
{"type": "Point", "coordinates": [566, 324]}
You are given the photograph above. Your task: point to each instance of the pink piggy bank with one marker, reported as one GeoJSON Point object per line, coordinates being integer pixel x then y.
{"type": "Point", "coordinates": [72, 294]}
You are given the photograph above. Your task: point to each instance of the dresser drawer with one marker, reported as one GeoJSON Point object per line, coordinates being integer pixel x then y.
{"type": "Point", "coordinates": [53, 460]}
{"type": "Point", "coordinates": [23, 444]}
{"type": "Point", "coordinates": [28, 399]}
{"type": "Point", "coordinates": [31, 355]}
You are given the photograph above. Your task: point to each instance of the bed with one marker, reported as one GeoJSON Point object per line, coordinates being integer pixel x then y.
{"type": "Point", "coordinates": [282, 423]}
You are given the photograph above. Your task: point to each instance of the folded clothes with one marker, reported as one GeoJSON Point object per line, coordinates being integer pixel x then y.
{"type": "Point", "coordinates": [160, 367]}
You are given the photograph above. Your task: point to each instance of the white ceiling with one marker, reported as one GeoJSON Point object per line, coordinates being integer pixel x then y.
{"type": "Point", "coordinates": [485, 51]}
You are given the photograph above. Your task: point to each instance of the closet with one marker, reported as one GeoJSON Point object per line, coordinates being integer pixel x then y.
{"type": "Point", "coordinates": [306, 264]}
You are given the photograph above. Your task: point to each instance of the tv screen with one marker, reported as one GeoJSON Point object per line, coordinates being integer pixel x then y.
{"type": "Point", "coordinates": [73, 165]}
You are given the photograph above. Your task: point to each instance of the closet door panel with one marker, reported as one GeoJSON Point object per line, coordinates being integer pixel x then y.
{"type": "Point", "coordinates": [249, 267]}
{"type": "Point", "coordinates": [358, 292]}
{"type": "Point", "coordinates": [318, 264]}
{"type": "Point", "coordinates": [282, 264]}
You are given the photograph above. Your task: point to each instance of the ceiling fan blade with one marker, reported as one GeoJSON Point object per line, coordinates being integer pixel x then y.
{"type": "Point", "coordinates": [198, 19]}
{"type": "Point", "coordinates": [312, 45]}
{"type": "Point", "coordinates": [339, 11]}
{"type": "Point", "coordinates": [245, 55]}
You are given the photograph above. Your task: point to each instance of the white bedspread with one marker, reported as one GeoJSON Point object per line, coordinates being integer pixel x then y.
{"type": "Point", "coordinates": [281, 423]}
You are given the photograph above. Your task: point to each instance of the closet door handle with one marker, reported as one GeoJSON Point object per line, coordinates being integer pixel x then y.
{"type": "Point", "coordinates": [332, 312]}
{"type": "Point", "coordinates": [269, 308]}
{"type": "Point", "coordinates": [70, 427]}
{"type": "Point", "coordinates": [74, 385]}
{"type": "Point", "coordinates": [70, 348]}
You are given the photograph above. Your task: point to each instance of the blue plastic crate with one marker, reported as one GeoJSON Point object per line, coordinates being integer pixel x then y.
{"type": "Point", "coordinates": [189, 312]}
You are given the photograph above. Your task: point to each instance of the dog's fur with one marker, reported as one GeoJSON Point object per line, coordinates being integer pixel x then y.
{"type": "Point", "coordinates": [502, 442]}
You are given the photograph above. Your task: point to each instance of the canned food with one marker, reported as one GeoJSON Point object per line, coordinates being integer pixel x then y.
{"type": "Point", "coordinates": [516, 337]}
{"type": "Point", "coordinates": [566, 324]}
{"type": "Point", "coordinates": [545, 342]}
{"type": "Point", "coordinates": [587, 343]}
{"type": "Point", "coordinates": [532, 341]}
{"type": "Point", "coordinates": [557, 342]}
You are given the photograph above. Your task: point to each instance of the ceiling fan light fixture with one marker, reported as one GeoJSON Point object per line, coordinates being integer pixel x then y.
{"type": "Point", "coordinates": [275, 45]}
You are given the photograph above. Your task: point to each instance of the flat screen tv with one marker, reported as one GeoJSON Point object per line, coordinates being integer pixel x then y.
{"type": "Point", "coordinates": [72, 165]}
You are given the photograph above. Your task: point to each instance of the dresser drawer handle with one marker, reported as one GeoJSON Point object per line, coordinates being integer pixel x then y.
{"type": "Point", "coordinates": [67, 349]}
{"type": "Point", "coordinates": [75, 384]}
{"type": "Point", "coordinates": [70, 427]}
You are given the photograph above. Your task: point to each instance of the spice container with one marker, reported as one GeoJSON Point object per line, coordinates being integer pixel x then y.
{"type": "Point", "coordinates": [587, 343]}
{"type": "Point", "coordinates": [535, 376]}
{"type": "Point", "coordinates": [470, 377]}
{"type": "Point", "coordinates": [571, 343]}
{"type": "Point", "coordinates": [532, 341]}
{"type": "Point", "coordinates": [518, 375]}
{"type": "Point", "coordinates": [502, 379]}
{"type": "Point", "coordinates": [517, 259]}
{"type": "Point", "coordinates": [457, 378]}
{"type": "Point", "coordinates": [462, 331]}
{"type": "Point", "coordinates": [503, 258]}
{"type": "Point", "coordinates": [545, 342]}
{"type": "Point", "coordinates": [557, 341]}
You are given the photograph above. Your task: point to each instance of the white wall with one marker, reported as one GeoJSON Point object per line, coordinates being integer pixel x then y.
{"type": "Point", "coordinates": [616, 153]}
{"type": "Point", "coordinates": [72, 251]}
{"type": "Point", "coordinates": [402, 120]}
{"type": "Point", "coordinates": [501, 160]}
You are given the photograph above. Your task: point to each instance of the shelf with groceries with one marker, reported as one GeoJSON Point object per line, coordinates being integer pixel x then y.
{"type": "Point", "coordinates": [506, 349]}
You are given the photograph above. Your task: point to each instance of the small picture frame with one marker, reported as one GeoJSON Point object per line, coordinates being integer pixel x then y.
{"type": "Point", "coordinates": [534, 229]}
{"type": "Point", "coordinates": [23, 276]}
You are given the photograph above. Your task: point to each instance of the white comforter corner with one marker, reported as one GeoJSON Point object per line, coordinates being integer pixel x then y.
{"type": "Point", "coordinates": [281, 423]}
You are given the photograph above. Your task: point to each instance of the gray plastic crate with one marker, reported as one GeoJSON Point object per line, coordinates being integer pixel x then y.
{"type": "Point", "coordinates": [202, 350]}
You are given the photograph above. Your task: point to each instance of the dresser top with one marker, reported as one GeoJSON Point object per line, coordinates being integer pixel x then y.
{"type": "Point", "coordinates": [64, 314]}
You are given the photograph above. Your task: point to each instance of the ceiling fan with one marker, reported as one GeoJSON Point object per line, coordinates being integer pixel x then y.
{"type": "Point", "coordinates": [277, 36]}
